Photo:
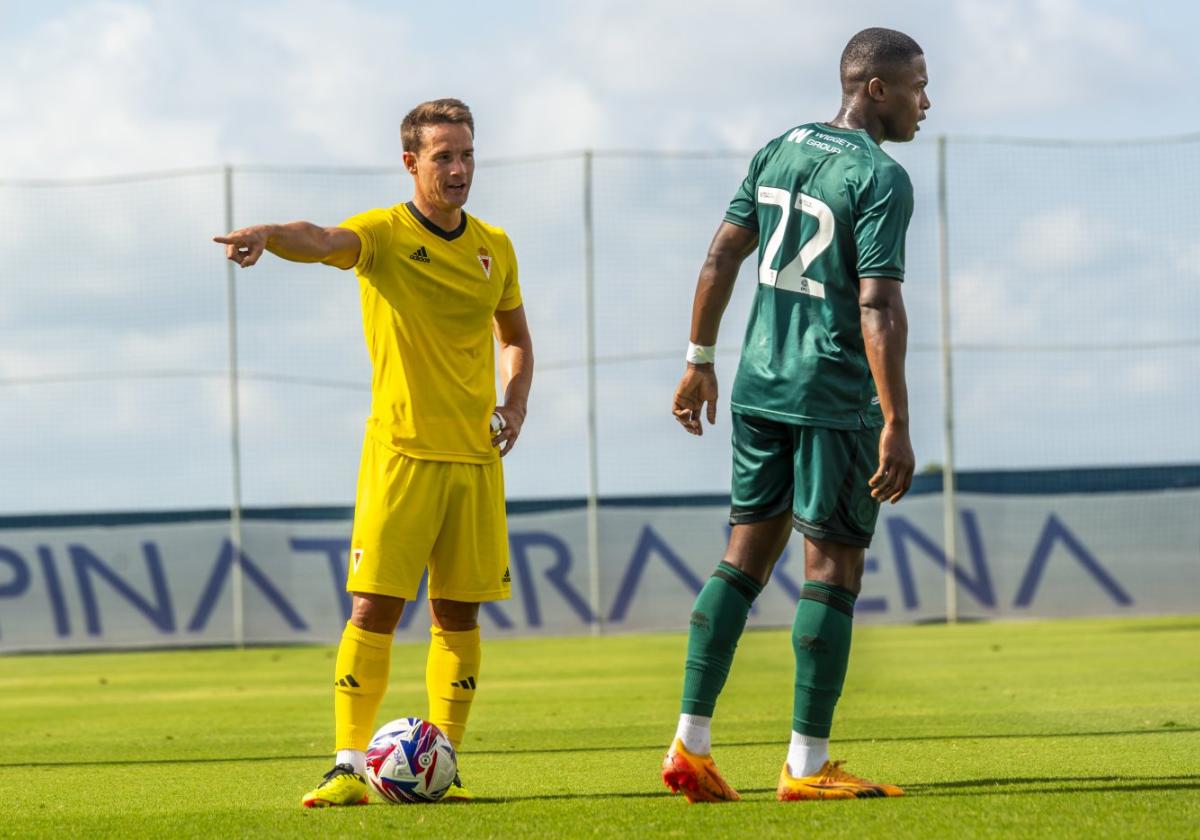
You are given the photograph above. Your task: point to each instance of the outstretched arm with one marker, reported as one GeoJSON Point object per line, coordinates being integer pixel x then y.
{"type": "Point", "coordinates": [885, 334]}
{"type": "Point", "coordinates": [730, 247]}
{"type": "Point", "coordinates": [516, 374]}
{"type": "Point", "coordinates": [295, 241]}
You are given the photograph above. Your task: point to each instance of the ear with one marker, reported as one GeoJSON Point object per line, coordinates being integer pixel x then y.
{"type": "Point", "coordinates": [877, 89]}
{"type": "Point", "coordinates": [410, 162]}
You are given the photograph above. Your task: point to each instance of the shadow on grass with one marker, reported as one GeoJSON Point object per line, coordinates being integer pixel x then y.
{"type": "Point", "coordinates": [1015, 786]}
{"type": "Point", "coordinates": [1040, 785]}
{"type": "Point", "coordinates": [1042, 780]}
{"type": "Point", "coordinates": [1167, 730]}
{"type": "Point", "coordinates": [564, 797]}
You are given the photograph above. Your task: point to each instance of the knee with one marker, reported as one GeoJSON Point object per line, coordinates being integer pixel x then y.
{"type": "Point", "coordinates": [852, 579]}
{"type": "Point", "coordinates": [835, 564]}
{"type": "Point", "coordinates": [455, 616]}
{"type": "Point", "coordinates": [758, 567]}
{"type": "Point", "coordinates": [376, 613]}
{"type": "Point", "coordinates": [755, 548]}
{"type": "Point", "coordinates": [848, 576]}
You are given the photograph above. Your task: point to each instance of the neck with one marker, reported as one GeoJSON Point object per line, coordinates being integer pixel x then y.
{"type": "Point", "coordinates": [448, 219]}
{"type": "Point", "coordinates": [853, 115]}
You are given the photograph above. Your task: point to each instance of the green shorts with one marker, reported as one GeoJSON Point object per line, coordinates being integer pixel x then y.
{"type": "Point", "coordinates": [821, 474]}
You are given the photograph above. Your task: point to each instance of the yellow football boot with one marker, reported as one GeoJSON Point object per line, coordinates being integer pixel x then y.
{"type": "Point", "coordinates": [696, 776]}
{"type": "Point", "coordinates": [341, 786]}
{"type": "Point", "coordinates": [830, 782]}
{"type": "Point", "coordinates": [456, 792]}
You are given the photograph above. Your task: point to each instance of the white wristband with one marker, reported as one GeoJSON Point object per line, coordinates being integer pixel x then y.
{"type": "Point", "coordinates": [700, 355]}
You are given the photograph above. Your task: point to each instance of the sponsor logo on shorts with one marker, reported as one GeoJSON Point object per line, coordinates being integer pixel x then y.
{"type": "Point", "coordinates": [507, 577]}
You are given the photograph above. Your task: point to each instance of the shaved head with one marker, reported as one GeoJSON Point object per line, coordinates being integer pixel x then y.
{"type": "Point", "coordinates": [876, 52]}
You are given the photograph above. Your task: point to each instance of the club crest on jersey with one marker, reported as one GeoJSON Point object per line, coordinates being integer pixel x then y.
{"type": "Point", "coordinates": [356, 557]}
{"type": "Point", "coordinates": [485, 260]}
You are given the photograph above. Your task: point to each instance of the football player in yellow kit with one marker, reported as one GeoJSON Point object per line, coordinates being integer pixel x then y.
{"type": "Point", "coordinates": [436, 285]}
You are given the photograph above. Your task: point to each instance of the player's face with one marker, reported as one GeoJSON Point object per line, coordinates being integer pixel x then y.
{"type": "Point", "coordinates": [906, 101]}
{"type": "Point", "coordinates": [443, 167]}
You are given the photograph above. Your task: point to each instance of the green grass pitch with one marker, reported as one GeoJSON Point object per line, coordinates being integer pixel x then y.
{"type": "Point", "coordinates": [1081, 728]}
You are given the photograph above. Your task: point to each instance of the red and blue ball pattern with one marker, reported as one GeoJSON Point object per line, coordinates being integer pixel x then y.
{"type": "Point", "coordinates": [410, 760]}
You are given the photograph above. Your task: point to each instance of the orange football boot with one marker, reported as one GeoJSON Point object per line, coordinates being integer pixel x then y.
{"type": "Point", "coordinates": [695, 776]}
{"type": "Point", "coordinates": [830, 782]}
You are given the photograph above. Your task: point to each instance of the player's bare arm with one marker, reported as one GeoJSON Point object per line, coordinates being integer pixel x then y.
{"type": "Point", "coordinates": [728, 250]}
{"type": "Point", "coordinates": [516, 374]}
{"type": "Point", "coordinates": [294, 241]}
{"type": "Point", "coordinates": [885, 334]}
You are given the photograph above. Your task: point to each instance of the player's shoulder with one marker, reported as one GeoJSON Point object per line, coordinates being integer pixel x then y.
{"type": "Point", "coordinates": [875, 171]}
{"type": "Point", "coordinates": [486, 230]}
{"type": "Point", "coordinates": [892, 177]}
{"type": "Point", "coordinates": [374, 217]}
{"type": "Point", "coordinates": [884, 164]}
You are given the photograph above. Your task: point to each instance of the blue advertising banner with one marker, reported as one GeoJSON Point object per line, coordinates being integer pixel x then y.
{"type": "Point", "coordinates": [166, 579]}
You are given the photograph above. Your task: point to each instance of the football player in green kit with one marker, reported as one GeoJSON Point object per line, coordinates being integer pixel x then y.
{"type": "Point", "coordinates": [820, 405]}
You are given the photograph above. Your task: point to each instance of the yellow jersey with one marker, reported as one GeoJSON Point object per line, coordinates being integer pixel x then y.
{"type": "Point", "coordinates": [428, 297]}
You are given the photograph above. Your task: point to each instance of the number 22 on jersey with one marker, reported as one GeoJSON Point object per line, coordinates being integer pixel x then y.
{"type": "Point", "coordinates": [791, 276]}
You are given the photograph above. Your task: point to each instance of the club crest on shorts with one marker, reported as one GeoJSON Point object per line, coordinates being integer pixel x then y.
{"type": "Point", "coordinates": [485, 260]}
{"type": "Point", "coordinates": [356, 558]}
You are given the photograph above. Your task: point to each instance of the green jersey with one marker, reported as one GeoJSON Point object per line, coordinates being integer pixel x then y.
{"type": "Point", "coordinates": [829, 207]}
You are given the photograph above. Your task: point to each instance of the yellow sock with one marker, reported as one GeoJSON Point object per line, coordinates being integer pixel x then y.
{"type": "Point", "coordinates": [360, 680]}
{"type": "Point", "coordinates": [450, 676]}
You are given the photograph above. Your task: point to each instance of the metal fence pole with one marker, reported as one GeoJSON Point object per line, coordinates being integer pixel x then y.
{"type": "Point", "coordinates": [235, 435]}
{"type": "Point", "coordinates": [593, 490]}
{"type": "Point", "coordinates": [949, 511]}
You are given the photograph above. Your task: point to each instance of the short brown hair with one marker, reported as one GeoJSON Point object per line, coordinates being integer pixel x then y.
{"type": "Point", "coordinates": [434, 112]}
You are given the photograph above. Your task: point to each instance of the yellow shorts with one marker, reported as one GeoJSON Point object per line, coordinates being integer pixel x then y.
{"type": "Point", "coordinates": [412, 514]}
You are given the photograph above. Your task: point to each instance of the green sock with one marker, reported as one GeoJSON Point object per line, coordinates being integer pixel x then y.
{"type": "Point", "coordinates": [718, 618]}
{"type": "Point", "coordinates": [821, 641]}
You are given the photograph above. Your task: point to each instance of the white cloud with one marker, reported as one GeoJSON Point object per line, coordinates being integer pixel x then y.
{"type": "Point", "coordinates": [1153, 377]}
{"type": "Point", "coordinates": [989, 307]}
{"type": "Point", "coordinates": [1067, 237]}
{"type": "Point", "coordinates": [44, 351]}
{"type": "Point", "coordinates": [552, 114]}
{"type": "Point", "coordinates": [1187, 259]}
{"type": "Point", "coordinates": [1019, 58]}
{"type": "Point", "coordinates": [111, 86]}
{"type": "Point", "coordinates": [77, 99]}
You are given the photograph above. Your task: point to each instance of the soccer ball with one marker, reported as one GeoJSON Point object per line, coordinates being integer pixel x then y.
{"type": "Point", "coordinates": [410, 760]}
